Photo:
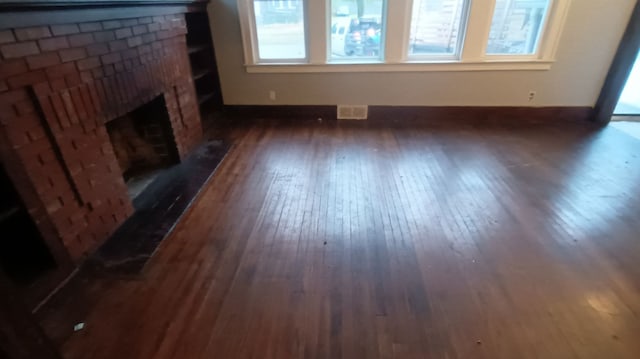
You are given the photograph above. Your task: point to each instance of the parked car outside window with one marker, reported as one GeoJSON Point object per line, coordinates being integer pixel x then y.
{"type": "Point", "coordinates": [352, 36]}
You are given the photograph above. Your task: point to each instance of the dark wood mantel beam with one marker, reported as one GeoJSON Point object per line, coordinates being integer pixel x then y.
{"type": "Point", "coordinates": [15, 13]}
{"type": "Point", "coordinates": [16, 5]}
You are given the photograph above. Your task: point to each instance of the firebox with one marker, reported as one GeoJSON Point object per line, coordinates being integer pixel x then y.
{"type": "Point", "coordinates": [143, 143]}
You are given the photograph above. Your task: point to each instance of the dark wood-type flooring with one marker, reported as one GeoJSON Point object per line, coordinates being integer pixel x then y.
{"type": "Point", "coordinates": [449, 240]}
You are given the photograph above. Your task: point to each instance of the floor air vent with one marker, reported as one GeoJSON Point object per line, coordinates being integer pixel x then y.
{"type": "Point", "coordinates": [352, 112]}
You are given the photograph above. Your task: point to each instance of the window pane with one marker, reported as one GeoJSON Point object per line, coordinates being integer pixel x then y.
{"type": "Point", "coordinates": [280, 29]}
{"type": "Point", "coordinates": [436, 27]}
{"type": "Point", "coordinates": [359, 29]}
{"type": "Point", "coordinates": [516, 26]}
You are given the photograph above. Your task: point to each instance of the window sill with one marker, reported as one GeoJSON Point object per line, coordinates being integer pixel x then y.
{"type": "Point", "coordinates": [529, 65]}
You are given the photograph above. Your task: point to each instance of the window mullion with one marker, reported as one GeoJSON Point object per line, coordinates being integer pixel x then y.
{"type": "Point", "coordinates": [397, 30]}
{"type": "Point", "coordinates": [478, 27]}
{"type": "Point", "coordinates": [317, 30]}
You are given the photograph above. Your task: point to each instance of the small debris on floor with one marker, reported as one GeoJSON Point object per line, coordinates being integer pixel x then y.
{"type": "Point", "coordinates": [325, 243]}
{"type": "Point", "coordinates": [78, 327]}
{"type": "Point", "coordinates": [479, 342]}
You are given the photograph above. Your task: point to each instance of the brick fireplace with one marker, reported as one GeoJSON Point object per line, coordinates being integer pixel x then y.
{"type": "Point", "coordinates": [62, 86]}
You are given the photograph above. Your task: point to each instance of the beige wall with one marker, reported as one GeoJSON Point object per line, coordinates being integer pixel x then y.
{"type": "Point", "coordinates": [587, 46]}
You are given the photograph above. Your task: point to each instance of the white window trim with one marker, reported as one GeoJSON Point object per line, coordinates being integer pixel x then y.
{"type": "Point", "coordinates": [472, 56]}
{"type": "Point", "coordinates": [456, 66]}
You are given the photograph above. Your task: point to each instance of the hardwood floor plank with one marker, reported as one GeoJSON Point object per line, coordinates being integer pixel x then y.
{"type": "Point", "coordinates": [445, 240]}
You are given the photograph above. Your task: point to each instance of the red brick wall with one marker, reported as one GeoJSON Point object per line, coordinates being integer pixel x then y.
{"type": "Point", "coordinates": [59, 85]}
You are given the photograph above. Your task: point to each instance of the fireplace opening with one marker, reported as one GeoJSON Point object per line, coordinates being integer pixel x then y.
{"type": "Point", "coordinates": [24, 255]}
{"type": "Point", "coordinates": [144, 145]}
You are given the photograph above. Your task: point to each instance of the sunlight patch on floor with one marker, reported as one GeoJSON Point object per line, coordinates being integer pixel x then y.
{"type": "Point", "coordinates": [631, 128]}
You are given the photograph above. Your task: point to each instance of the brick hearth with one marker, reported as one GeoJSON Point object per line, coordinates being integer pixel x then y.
{"type": "Point", "coordinates": [59, 85]}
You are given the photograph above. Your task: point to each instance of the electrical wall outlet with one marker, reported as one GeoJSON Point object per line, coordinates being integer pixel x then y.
{"type": "Point", "coordinates": [532, 95]}
{"type": "Point", "coordinates": [272, 95]}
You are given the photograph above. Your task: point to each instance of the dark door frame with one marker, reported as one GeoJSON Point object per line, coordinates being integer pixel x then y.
{"type": "Point", "coordinates": [620, 70]}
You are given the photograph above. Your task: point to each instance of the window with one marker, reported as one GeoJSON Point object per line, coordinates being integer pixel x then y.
{"type": "Point", "coordinates": [358, 29]}
{"type": "Point", "coordinates": [280, 30]}
{"type": "Point", "coordinates": [437, 27]}
{"type": "Point", "coordinates": [516, 26]}
{"type": "Point", "coordinates": [400, 35]}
